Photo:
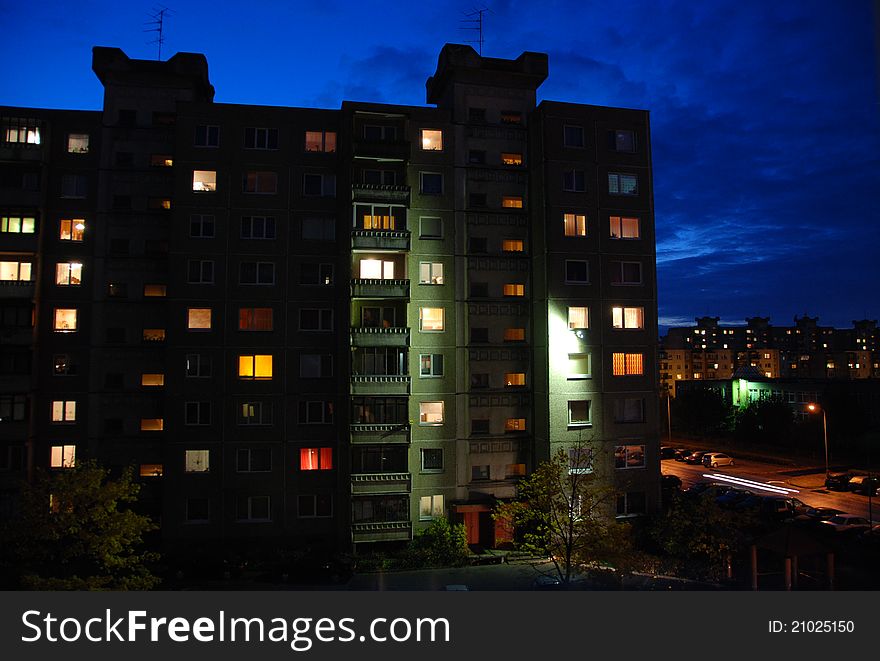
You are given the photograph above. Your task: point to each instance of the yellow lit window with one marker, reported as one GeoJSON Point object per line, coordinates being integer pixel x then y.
{"type": "Point", "coordinates": [64, 410]}
{"type": "Point", "coordinates": [63, 456]}
{"type": "Point", "coordinates": [257, 366]}
{"type": "Point", "coordinates": [197, 461]}
{"type": "Point", "coordinates": [512, 245]}
{"type": "Point", "coordinates": [15, 271]}
{"type": "Point", "coordinates": [68, 274]}
{"type": "Point", "coordinates": [161, 160]}
{"type": "Point", "coordinates": [152, 424]}
{"type": "Point", "coordinates": [151, 470]}
{"type": "Point", "coordinates": [512, 202]}
{"type": "Point", "coordinates": [432, 140]}
{"type": "Point", "coordinates": [431, 413]}
{"type": "Point", "coordinates": [18, 224]}
{"type": "Point", "coordinates": [152, 380]}
{"type": "Point", "coordinates": [198, 318]}
{"type": "Point", "coordinates": [155, 290]}
{"type": "Point", "coordinates": [65, 320]}
{"type": "Point", "coordinates": [626, 364]}
{"type": "Point", "coordinates": [515, 424]}
{"type": "Point", "coordinates": [514, 379]}
{"type": "Point", "coordinates": [514, 290]}
{"type": "Point", "coordinates": [511, 159]}
{"type": "Point", "coordinates": [72, 229]}
{"type": "Point", "coordinates": [514, 334]}
{"type": "Point", "coordinates": [204, 181]}
{"type": "Point", "coordinates": [154, 335]}
{"type": "Point", "coordinates": [578, 317]}
{"type": "Point", "coordinates": [431, 319]}
{"type": "Point", "coordinates": [575, 224]}
{"type": "Point", "coordinates": [78, 143]}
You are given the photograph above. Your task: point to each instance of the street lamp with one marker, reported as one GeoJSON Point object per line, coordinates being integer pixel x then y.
{"type": "Point", "coordinates": [813, 408]}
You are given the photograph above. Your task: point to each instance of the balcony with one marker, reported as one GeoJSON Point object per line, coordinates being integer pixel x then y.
{"type": "Point", "coordinates": [378, 483]}
{"type": "Point", "coordinates": [21, 288]}
{"type": "Point", "coordinates": [386, 149]}
{"type": "Point", "coordinates": [387, 531]}
{"type": "Point", "coordinates": [370, 434]}
{"type": "Point", "coordinates": [380, 239]}
{"type": "Point", "coordinates": [379, 337]}
{"type": "Point", "coordinates": [380, 193]}
{"type": "Point", "coordinates": [379, 288]}
{"type": "Point", "coordinates": [380, 385]}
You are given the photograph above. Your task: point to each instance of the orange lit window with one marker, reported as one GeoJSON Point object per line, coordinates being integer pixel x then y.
{"type": "Point", "coordinates": [161, 160]}
{"type": "Point", "coordinates": [431, 319]}
{"type": "Point", "coordinates": [515, 424]}
{"type": "Point", "coordinates": [255, 366]}
{"type": "Point", "coordinates": [204, 181]}
{"type": "Point", "coordinates": [575, 224]}
{"type": "Point", "coordinates": [625, 364]}
{"type": "Point", "coordinates": [631, 318]}
{"type": "Point", "coordinates": [514, 334]}
{"type": "Point", "coordinates": [72, 230]}
{"type": "Point", "coordinates": [512, 202]}
{"type": "Point", "coordinates": [432, 140]}
{"type": "Point", "coordinates": [154, 335]}
{"type": "Point", "coordinates": [198, 318]}
{"type": "Point", "coordinates": [431, 413]}
{"type": "Point", "coordinates": [514, 290]}
{"type": "Point", "coordinates": [255, 319]}
{"type": "Point", "coordinates": [155, 290]}
{"type": "Point", "coordinates": [152, 424]}
{"type": "Point", "coordinates": [514, 379]}
{"type": "Point", "coordinates": [152, 380]}
{"type": "Point", "coordinates": [68, 274]}
{"type": "Point", "coordinates": [63, 456]}
{"type": "Point", "coordinates": [511, 159]}
{"type": "Point", "coordinates": [64, 410]}
{"type": "Point", "coordinates": [512, 245]}
{"type": "Point", "coordinates": [315, 459]}
{"type": "Point", "coordinates": [624, 228]}
{"type": "Point", "coordinates": [321, 141]}
{"type": "Point", "coordinates": [65, 320]}
{"type": "Point", "coordinates": [151, 470]}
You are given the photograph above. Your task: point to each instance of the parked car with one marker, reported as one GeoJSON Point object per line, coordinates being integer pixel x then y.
{"type": "Point", "coordinates": [864, 485]}
{"type": "Point", "coordinates": [844, 522]}
{"type": "Point", "coordinates": [709, 490]}
{"type": "Point", "coordinates": [815, 515]}
{"type": "Point", "coordinates": [716, 459]}
{"type": "Point", "coordinates": [732, 497]}
{"type": "Point", "coordinates": [667, 452]}
{"type": "Point", "coordinates": [837, 481]}
{"type": "Point", "coordinates": [695, 457]}
{"type": "Point", "coordinates": [681, 453]}
{"type": "Point", "coordinates": [779, 508]}
{"type": "Point", "coordinates": [670, 482]}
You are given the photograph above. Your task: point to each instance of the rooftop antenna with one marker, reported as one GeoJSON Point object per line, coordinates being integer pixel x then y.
{"type": "Point", "coordinates": [474, 21]}
{"type": "Point", "coordinates": [158, 26]}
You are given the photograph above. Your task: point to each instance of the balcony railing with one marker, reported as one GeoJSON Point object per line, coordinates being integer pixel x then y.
{"type": "Point", "coordinates": [380, 193]}
{"type": "Point", "coordinates": [379, 483]}
{"type": "Point", "coordinates": [389, 149]}
{"type": "Point", "coordinates": [380, 337]}
{"type": "Point", "coordinates": [386, 384]}
{"type": "Point", "coordinates": [385, 531]}
{"type": "Point", "coordinates": [380, 239]}
{"type": "Point", "coordinates": [16, 288]}
{"type": "Point", "coordinates": [379, 288]}
{"type": "Point", "coordinates": [394, 433]}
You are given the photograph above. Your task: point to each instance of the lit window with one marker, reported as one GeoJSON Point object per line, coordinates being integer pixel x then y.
{"type": "Point", "coordinates": [376, 269]}
{"type": "Point", "coordinates": [155, 291]}
{"type": "Point", "coordinates": [514, 334]}
{"type": "Point", "coordinates": [430, 183]}
{"type": "Point", "coordinates": [578, 317]}
{"type": "Point", "coordinates": [512, 202]}
{"type": "Point", "coordinates": [197, 461]}
{"type": "Point", "coordinates": [578, 365]}
{"type": "Point", "coordinates": [431, 507]}
{"type": "Point", "coordinates": [255, 413]}
{"type": "Point", "coordinates": [152, 380]}
{"type": "Point", "coordinates": [575, 224]}
{"type": "Point", "coordinates": [629, 456]}
{"type": "Point", "coordinates": [255, 319]}
{"type": "Point", "coordinates": [430, 413]}
{"type": "Point", "coordinates": [432, 140]}
{"type": "Point", "coordinates": [379, 217]}
{"type": "Point", "coordinates": [151, 470]}
{"type": "Point", "coordinates": [64, 410]}
{"type": "Point", "coordinates": [262, 182]}
{"type": "Point", "coordinates": [515, 424]}
{"type": "Point", "coordinates": [315, 459]}
{"type": "Point", "coordinates": [152, 424]}
{"type": "Point", "coordinates": [623, 184]}
{"type": "Point", "coordinates": [430, 273]}
{"type": "Point", "coordinates": [260, 138]}
{"type": "Point", "coordinates": [511, 117]}
{"type": "Point", "coordinates": [514, 379]}
{"type": "Point", "coordinates": [431, 319]}
{"type": "Point", "coordinates": [207, 136]}
{"type": "Point", "coordinates": [18, 224]}
{"type": "Point", "coordinates": [15, 271]}
{"type": "Point", "coordinates": [159, 203]}
{"type": "Point", "coordinates": [72, 230]}
{"type": "Point", "coordinates": [257, 366]}
{"type": "Point", "coordinates": [68, 274]}
{"type": "Point", "coordinates": [627, 364]}
{"type": "Point", "coordinates": [63, 456]}
{"type": "Point", "coordinates": [577, 272]}
{"type": "Point", "coordinates": [623, 317]}
{"type": "Point", "coordinates": [198, 318]}
{"type": "Point", "coordinates": [580, 460]}
{"type": "Point", "coordinates": [321, 141]}
{"type": "Point", "coordinates": [511, 245]}
{"type": "Point", "coordinates": [626, 273]}
{"type": "Point", "coordinates": [514, 290]}
{"type": "Point", "coordinates": [579, 412]}
{"type": "Point", "coordinates": [204, 181]}
{"type": "Point", "coordinates": [430, 364]}
{"type": "Point", "coordinates": [161, 160]}
{"type": "Point", "coordinates": [574, 181]}
{"type": "Point", "coordinates": [573, 136]}
{"type": "Point", "coordinates": [65, 320]}
{"type": "Point", "coordinates": [23, 131]}
{"type": "Point", "coordinates": [508, 158]}
{"type": "Point", "coordinates": [154, 335]}
{"type": "Point", "coordinates": [78, 143]}
{"type": "Point", "coordinates": [624, 228]}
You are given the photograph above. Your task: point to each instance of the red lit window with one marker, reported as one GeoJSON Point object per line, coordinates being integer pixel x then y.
{"type": "Point", "coordinates": [315, 459]}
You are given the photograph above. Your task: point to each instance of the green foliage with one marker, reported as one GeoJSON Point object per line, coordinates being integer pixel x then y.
{"type": "Point", "coordinates": [71, 533]}
{"type": "Point", "coordinates": [703, 412]}
{"type": "Point", "coordinates": [768, 421]}
{"type": "Point", "coordinates": [441, 544]}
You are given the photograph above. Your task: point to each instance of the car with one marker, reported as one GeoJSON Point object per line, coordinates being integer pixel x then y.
{"type": "Point", "coordinates": [694, 457]}
{"type": "Point", "coordinates": [846, 523]}
{"type": "Point", "coordinates": [815, 515]}
{"type": "Point", "coordinates": [863, 484]}
{"type": "Point", "coordinates": [681, 453]}
{"type": "Point", "coordinates": [709, 490]}
{"type": "Point", "coordinates": [670, 482]}
{"type": "Point", "coordinates": [837, 481]}
{"type": "Point", "coordinates": [456, 587]}
{"type": "Point", "coordinates": [732, 497]}
{"type": "Point", "coordinates": [716, 459]}
{"type": "Point", "coordinates": [667, 452]}
{"type": "Point", "coordinates": [547, 582]}
{"type": "Point", "coordinates": [781, 508]}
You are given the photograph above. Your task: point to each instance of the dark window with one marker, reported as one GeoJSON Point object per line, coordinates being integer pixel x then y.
{"type": "Point", "coordinates": [431, 183]}
{"type": "Point", "coordinates": [573, 136]}
{"type": "Point", "coordinates": [480, 426]}
{"type": "Point", "coordinates": [207, 136]}
{"type": "Point", "coordinates": [260, 138]}
{"type": "Point", "coordinates": [477, 156]}
{"type": "Point", "coordinates": [477, 200]}
{"type": "Point", "coordinates": [476, 114]}
{"type": "Point", "coordinates": [479, 335]}
{"type": "Point", "coordinates": [576, 271]}
{"type": "Point", "coordinates": [622, 141]}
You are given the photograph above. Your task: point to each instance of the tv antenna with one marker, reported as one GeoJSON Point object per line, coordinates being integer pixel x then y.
{"type": "Point", "coordinates": [158, 26]}
{"type": "Point", "coordinates": [474, 21]}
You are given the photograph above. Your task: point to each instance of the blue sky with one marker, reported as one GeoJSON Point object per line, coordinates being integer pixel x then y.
{"type": "Point", "coordinates": [765, 115]}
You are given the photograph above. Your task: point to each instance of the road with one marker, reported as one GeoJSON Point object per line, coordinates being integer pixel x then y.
{"type": "Point", "coordinates": [808, 483]}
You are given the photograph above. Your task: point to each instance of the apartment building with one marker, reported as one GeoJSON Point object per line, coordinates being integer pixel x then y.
{"type": "Point", "coordinates": [329, 326]}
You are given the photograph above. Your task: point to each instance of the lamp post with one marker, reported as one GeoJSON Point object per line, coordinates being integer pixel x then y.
{"type": "Point", "coordinates": [813, 408]}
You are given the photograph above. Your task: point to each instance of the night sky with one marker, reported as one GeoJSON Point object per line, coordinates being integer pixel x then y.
{"type": "Point", "coordinates": [765, 115]}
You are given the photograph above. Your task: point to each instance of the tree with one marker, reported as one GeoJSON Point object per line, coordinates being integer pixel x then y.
{"type": "Point", "coordinates": [441, 544]}
{"type": "Point", "coordinates": [561, 513]}
{"type": "Point", "coordinates": [767, 420]}
{"type": "Point", "coordinates": [701, 411]}
{"type": "Point", "coordinates": [74, 532]}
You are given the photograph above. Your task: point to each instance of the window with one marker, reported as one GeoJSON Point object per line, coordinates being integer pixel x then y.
{"type": "Point", "coordinates": [77, 143]}
{"type": "Point", "coordinates": [318, 229]}
{"type": "Point", "coordinates": [13, 408]}
{"type": "Point", "coordinates": [377, 317]}
{"type": "Point", "coordinates": [257, 366]}
{"type": "Point", "coordinates": [480, 427]}
{"type": "Point", "coordinates": [315, 365]}
{"type": "Point", "coordinates": [197, 461]}
{"type": "Point", "coordinates": [18, 224]}
{"type": "Point", "coordinates": [152, 380]}
{"type": "Point", "coordinates": [624, 228]}
{"type": "Point", "coordinates": [575, 224]}
{"type": "Point", "coordinates": [260, 138]}
{"type": "Point", "coordinates": [379, 217]}
{"type": "Point", "coordinates": [376, 269]}
{"type": "Point", "coordinates": [476, 114]}
{"type": "Point", "coordinates": [207, 136]}
{"type": "Point", "coordinates": [430, 183]}
{"type": "Point", "coordinates": [479, 335]}
{"type": "Point", "coordinates": [255, 319]}
{"type": "Point", "coordinates": [64, 410]}
{"type": "Point", "coordinates": [253, 460]}
{"type": "Point", "coordinates": [161, 160]}
{"type": "Point", "coordinates": [197, 413]}
{"type": "Point", "coordinates": [319, 185]}
{"type": "Point", "coordinates": [431, 507]}
{"type": "Point", "coordinates": [514, 334]}
{"type": "Point", "coordinates": [623, 184]}
{"type": "Point", "coordinates": [573, 136]}
{"type": "Point", "coordinates": [514, 290]}
{"type": "Point", "coordinates": [431, 319]}
{"type": "Point", "coordinates": [430, 227]}
{"type": "Point", "coordinates": [628, 410]}
{"type": "Point", "coordinates": [154, 335]}
{"type": "Point", "coordinates": [321, 141]}
{"type": "Point", "coordinates": [316, 459]}
{"type": "Point", "coordinates": [512, 245]}
{"type": "Point", "coordinates": [316, 413]}
{"type": "Point", "coordinates": [73, 186]}
{"type": "Point", "coordinates": [197, 510]}
{"type": "Point", "coordinates": [579, 412]}
{"type": "Point", "coordinates": [512, 202]}
{"type": "Point", "coordinates": [631, 503]}
{"type": "Point", "coordinates": [159, 203]}
{"type": "Point", "coordinates": [578, 365]}
{"type": "Point", "coordinates": [477, 200]}
{"type": "Point", "coordinates": [477, 156]}
{"type": "Point", "coordinates": [430, 413]}
{"type": "Point", "coordinates": [256, 273]}
{"type": "Point", "coordinates": [512, 379]}
{"type": "Point", "coordinates": [622, 141]}
{"type": "Point", "coordinates": [626, 273]}
{"type": "Point", "coordinates": [628, 318]}
{"type": "Point", "coordinates": [314, 506]}
{"type": "Point", "coordinates": [627, 364]}
{"type": "Point", "coordinates": [629, 456]}
{"type": "Point", "coordinates": [201, 226]}
{"type": "Point", "coordinates": [316, 319]}
{"type": "Point", "coordinates": [15, 271]}
{"type": "Point", "coordinates": [573, 181]}
{"type": "Point", "coordinates": [511, 117]}
{"type": "Point", "coordinates": [63, 456]}
{"type": "Point", "coordinates": [580, 460]}
{"type": "Point", "coordinates": [508, 158]}
{"type": "Point", "coordinates": [380, 133]}
{"type": "Point", "coordinates": [200, 272]}
{"type": "Point", "coordinates": [198, 318]}
{"type": "Point", "coordinates": [255, 413]}
{"type": "Point", "coordinates": [253, 508]}
{"type": "Point", "coordinates": [430, 273]}
{"type": "Point", "coordinates": [65, 320]}
{"type": "Point", "coordinates": [152, 424]}
{"type": "Point", "coordinates": [432, 140]}
{"type": "Point", "coordinates": [430, 365]}
{"type": "Point", "coordinates": [316, 274]}
{"type": "Point", "coordinates": [257, 227]}
{"type": "Point", "coordinates": [515, 424]}
{"type": "Point", "coordinates": [577, 272]}
{"type": "Point", "coordinates": [204, 181]}
{"type": "Point", "coordinates": [72, 230]}
{"type": "Point", "coordinates": [21, 130]}
{"type": "Point", "coordinates": [261, 182]}
{"type": "Point", "coordinates": [151, 470]}
{"type": "Point", "coordinates": [198, 365]}
{"type": "Point", "coordinates": [432, 460]}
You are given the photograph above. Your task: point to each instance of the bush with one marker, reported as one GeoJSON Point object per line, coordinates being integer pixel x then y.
{"type": "Point", "coordinates": [439, 545]}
